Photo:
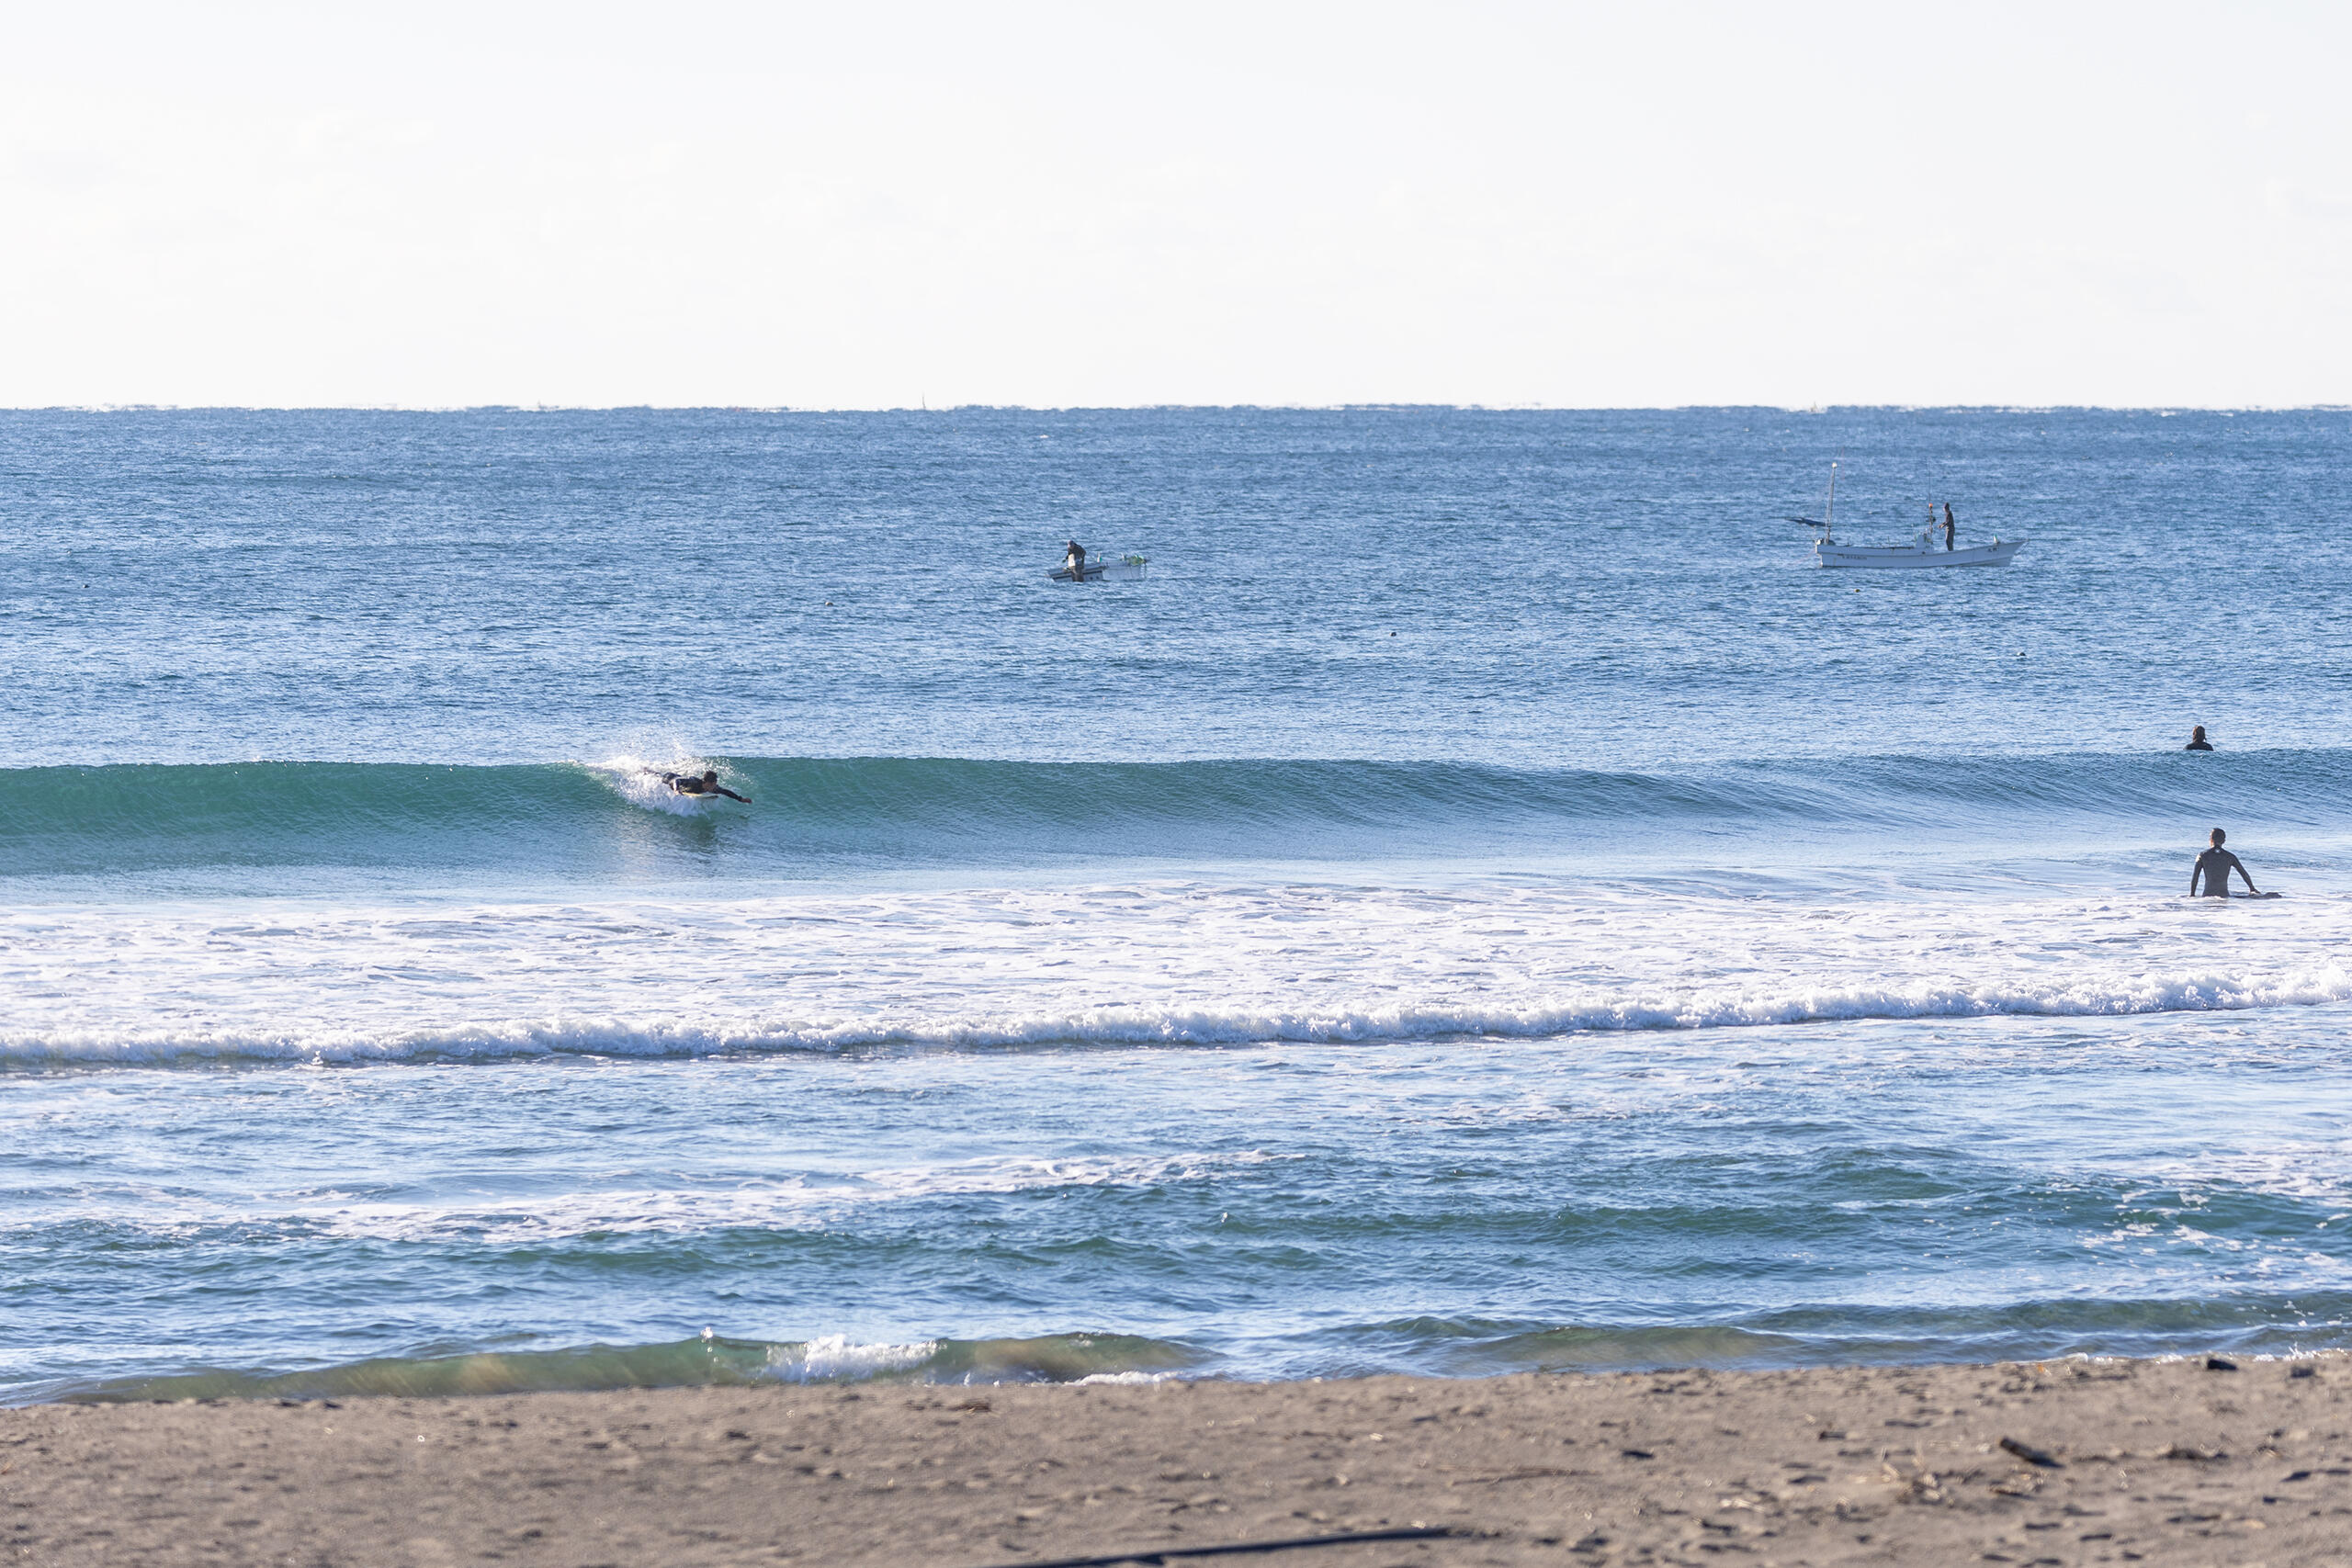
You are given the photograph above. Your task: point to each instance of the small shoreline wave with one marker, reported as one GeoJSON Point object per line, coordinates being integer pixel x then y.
{"type": "Point", "coordinates": [710, 1360]}
{"type": "Point", "coordinates": [1425, 1346]}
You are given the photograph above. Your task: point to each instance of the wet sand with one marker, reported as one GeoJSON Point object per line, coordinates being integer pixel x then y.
{"type": "Point", "coordinates": [2109, 1462]}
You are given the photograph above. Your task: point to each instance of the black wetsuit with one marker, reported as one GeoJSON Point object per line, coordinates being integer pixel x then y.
{"type": "Point", "coordinates": [686, 783]}
{"type": "Point", "coordinates": [1949, 528]}
{"type": "Point", "coordinates": [2198, 746]}
{"type": "Point", "coordinates": [2215, 865]}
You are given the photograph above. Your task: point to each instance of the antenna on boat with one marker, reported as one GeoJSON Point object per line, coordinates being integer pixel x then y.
{"type": "Point", "coordinates": [1828, 509]}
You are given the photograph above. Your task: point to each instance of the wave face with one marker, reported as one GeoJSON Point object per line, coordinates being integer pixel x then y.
{"type": "Point", "coordinates": [232, 824]}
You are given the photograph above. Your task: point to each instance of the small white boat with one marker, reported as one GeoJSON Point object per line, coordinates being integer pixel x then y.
{"type": "Point", "coordinates": [1102, 568]}
{"type": "Point", "coordinates": [1919, 553]}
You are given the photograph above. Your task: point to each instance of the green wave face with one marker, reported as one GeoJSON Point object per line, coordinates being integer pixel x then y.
{"type": "Point", "coordinates": [707, 1362]}
{"type": "Point", "coordinates": [256, 826]}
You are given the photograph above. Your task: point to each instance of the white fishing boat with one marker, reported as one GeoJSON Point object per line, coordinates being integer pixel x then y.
{"type": "Point", "coordinates": [1922, 551]}
{"type": "Point", "coordinates": [1919, 553]}
{"type": "Point", "coordinates": [1102, 568]}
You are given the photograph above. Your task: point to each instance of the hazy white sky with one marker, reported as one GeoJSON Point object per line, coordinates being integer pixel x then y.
{"type": "Point", "coordinates": [868, 205]}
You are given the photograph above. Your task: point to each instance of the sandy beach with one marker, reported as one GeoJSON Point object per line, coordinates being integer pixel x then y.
{"type": "Point", "coordinates": [2055, 1463]}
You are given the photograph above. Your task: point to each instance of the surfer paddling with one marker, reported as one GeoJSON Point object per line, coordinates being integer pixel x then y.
{"type": "Point", "coordinates": [686, 783]}
{"type": "Point", "coordinates": [2213, 868]}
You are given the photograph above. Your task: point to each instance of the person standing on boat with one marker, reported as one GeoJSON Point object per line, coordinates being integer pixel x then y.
{"type": "Point", "coordinates": [2215, 865]}
{"type": "Point", "coordinates": [2197, 741]}
{"type": "Point", "coordinates": [1074, 560]}
{"type": "Point", "coordinates": [1951, 528]}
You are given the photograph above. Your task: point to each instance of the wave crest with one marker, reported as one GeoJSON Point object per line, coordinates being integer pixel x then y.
{"type": "Point", "coordinates": [1194, 1027]}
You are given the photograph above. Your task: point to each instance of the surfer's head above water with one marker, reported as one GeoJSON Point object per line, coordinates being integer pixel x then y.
{"type": "Point", "coordinates": [2197, 741]}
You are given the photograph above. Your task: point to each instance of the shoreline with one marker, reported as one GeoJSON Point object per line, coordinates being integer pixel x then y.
{"type": "Point", "coordinates": [2050, 1462]}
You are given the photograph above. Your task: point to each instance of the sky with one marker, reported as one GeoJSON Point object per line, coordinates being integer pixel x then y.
{"type": "Point", "coordinates": [1792, 204]}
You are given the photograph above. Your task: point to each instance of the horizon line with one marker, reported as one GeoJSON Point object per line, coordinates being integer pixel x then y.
{"type": "Point", "coordinates": [1368, 407]}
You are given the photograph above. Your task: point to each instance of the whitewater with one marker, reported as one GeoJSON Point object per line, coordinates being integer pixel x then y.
{"type": "Point", "coordinates": [1142, 962]}
{"type": "Point", "coordinates": [1483, 903]}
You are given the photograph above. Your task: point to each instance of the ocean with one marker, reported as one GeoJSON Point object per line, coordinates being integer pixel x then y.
{"type": "Point", "coordinates": [1483, 902]}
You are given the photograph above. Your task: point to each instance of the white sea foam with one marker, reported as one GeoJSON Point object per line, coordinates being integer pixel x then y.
{"type": "Point", "coordinates": [801, 1202]}
{"type": "Point", "coordinates": [641, 782]}
{"type": "Point", "coordinates": [1173, 962]}
{"type": "Point", "coordinates": [835, 1357]}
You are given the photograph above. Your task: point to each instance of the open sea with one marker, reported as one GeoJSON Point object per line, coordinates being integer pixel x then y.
{"type": "Point", "coordinates": [1483, 902]}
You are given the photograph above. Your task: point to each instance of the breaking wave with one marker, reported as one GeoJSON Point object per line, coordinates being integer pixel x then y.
{"type": "Point", "coordinates": [1199, 1027]}
{"type": "Point", "coordinates": [710, 1360]}
{"type": "Point", "coordinates": [1424, 1346]}
{"type": "Point", "coordinates": [613, 818]}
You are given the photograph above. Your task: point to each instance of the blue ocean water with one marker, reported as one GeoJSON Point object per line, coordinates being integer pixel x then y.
{"type": "Point", "coordinates": [1482, 901]}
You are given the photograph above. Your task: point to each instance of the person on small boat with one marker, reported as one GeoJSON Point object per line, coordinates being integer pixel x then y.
{"type": "Point", "coordinates": [1074, 560]}
{"type": "Point", "coordinates": [2197, 741]}
{"type": "Point", "coordinates": [2214, 867]}
{"type": "Point", "coordinates": [686, 783]}
{"type": "Point", "coordinates": [1951, 528]}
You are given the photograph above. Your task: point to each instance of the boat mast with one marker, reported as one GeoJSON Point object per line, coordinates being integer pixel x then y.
{"type": "Point", "coordinates": [1829, 507]}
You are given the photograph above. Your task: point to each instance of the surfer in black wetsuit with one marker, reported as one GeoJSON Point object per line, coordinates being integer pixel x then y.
{"type": "Point", "coordinates": [1951, 528]}
{"type": "Point", "coordinates": [2197, 741]}
{"type": "Point", "coordinates": [2214, 867]}
{"type": "Point", "coordinates": [686, 783]}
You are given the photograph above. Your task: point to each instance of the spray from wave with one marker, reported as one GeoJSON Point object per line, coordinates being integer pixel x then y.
{"type": "Point", "coordinates": [646, 784]}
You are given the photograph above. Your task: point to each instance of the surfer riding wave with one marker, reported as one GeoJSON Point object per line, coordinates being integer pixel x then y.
{"type": "Point", "coordinates": [707, 784]}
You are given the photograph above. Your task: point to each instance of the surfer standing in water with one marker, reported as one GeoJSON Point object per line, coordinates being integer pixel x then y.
{"type": "Point", "coordinates": [2197, 741]}
{"type": "Point", "coordinates": [686, 783]}
{"type": "Point", "coordinates": [2214, 866]}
